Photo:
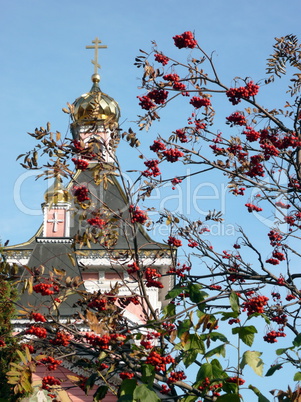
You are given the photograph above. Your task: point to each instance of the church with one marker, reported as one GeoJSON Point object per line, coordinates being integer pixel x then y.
{"type": "Point", "coordinates": [74, 245]}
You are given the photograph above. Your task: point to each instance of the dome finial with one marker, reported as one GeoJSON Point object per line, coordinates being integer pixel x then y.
{"type": "Point", "coordinates": [97, 45]}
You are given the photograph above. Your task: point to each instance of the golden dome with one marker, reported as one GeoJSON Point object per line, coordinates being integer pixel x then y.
{"type": "Point", "coordinates": [95, 105]}
{"type": "Point", "coordinates": [57, 193]}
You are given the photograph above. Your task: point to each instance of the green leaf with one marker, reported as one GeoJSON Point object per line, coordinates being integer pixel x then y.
{"type": "Point", "coordinates": [204, 371]}
{"type": "Point", "coordinates": [228, 398]}
{"type": "Point", "coordinates": [261, 398]}
{"type": "Point", "coordinates": [272, 369]}
{"type": "Point", "coordinates": [143, 393]}
{"type": "Point", "coordinates": [217, 369]}
{"type": "Point", "coordinates": [189, 398]}
{"type": "Point", "coordinates": [169, 310]}
{"type": "Point", "coordinates": [175, 292]}
{"type": "Point", "coordinates": [297, 376]}
{"type": "Point", "coordinates": [189, 357]}
{"type": "Point", "coordinates": [282, 350]}
{"type": "Point", "coordinates": [195, 343]}
{"type": "Point", "coordinates": [234, 302]}
{"type": "Point", "coordinates": [252, 359]}
{"type": "Point", "coordinates": [195, 294]}
{"type": "Point", "coordinates": [297, 341]}
{"type": "Point", "coordinates": [148, 374]}
{"type": "Point", "coordinates": [219, 351]}
{"type": "Point", "coordinates": [184, 326]}
{"type": "Point", "coordinates": [246, 334]}
{"type": "Point", "coordinates": [100, 393]}
{"type": "Point", "coordinates": [90, 382]}
{"type": "Point", "coordinates": [127, 389]}
{"type": "Point", "coordinates": [217, 336]}
{"type": "Point", "coordinates": [232, 314]}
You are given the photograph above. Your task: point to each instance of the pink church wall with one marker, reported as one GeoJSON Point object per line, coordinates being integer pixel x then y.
{"type": "Point", "coordinates": [74, 393]}
{"type": "Point", "coordinates": [52, 229]}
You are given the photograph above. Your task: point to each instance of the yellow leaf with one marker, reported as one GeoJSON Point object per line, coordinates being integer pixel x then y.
{"type": "Point", "coordinates": [73, 378]}
{"type": "Point", "coordinates": [22, 357]}
{"type": "Point", "coordinates": [184, 338]}
{"type": "Point", "coordinates": [61, 272]}
{"type": "Point", "coordinates": [72, 259]}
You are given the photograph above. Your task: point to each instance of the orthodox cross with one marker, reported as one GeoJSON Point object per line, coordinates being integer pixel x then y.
{"type": "Point", "coordinates": [97, 45]}
{"type": "Point", "coordinates": [55, 221]}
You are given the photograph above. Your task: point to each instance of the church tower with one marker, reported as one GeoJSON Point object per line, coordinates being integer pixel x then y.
{"type": "Point", "coordinates": [69, 212]}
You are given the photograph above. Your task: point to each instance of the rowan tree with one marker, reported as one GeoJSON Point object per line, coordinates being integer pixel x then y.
{"type": "Point", "coordinates": [223, 299]}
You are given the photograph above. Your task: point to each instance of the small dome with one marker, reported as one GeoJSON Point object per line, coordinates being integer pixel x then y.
{"type": "Point", "coordinates": [95, 105]}
{"type": "Point", "coordinates": [57, 193]}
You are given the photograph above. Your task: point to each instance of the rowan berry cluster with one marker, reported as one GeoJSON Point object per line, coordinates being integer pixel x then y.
{"type": "Point", "coordinates": [256, 168]}
{"type": "Point", "coordinates": [198, 102]}
{"type": "Point", "coordinates": [2, 343]}
{"type": "Point", "coordinates": [98, 303]}
{"type": "Point", "coordinates": [61, 338]}
{"type": "Point", "coordinates": [236, 94]}
{"type": "Point", "coordinates": [45, 289]}
{"type": "Point", "coordinates": [275, 238]}
{"type": "Point", "coordinates": [175, 376]}
{"type": "Point", "coordinates": [159, 96]}
{"type": "Point", "coordinates": [81, 193]}
{"type": "Point", "coordinates": [157, 146]}
{"type": "Point", "coordinates": [192, 243]}
{"type": "Point", "coordinates": [236, 380]}
{"type": "Point", "coordinates": [51, 362]}
{"type": "Point", "coordinates": [160, 58]}
{"type": "Point", "coordinates": [29, 347]}
{"type": "Point", "coordinates": [145, 102]}
{"type": "Point", "coordinates": [171, 77]}
{"type": "Point", "coordinates": [103, 366]}
{"type": "Point", "coordinates": [172, 154]}
{"type": "Point", "coordinates": [80, 164]}
{"type": "Point", "coordinates": [206, 386]}
{"type": "Point", "coordinates": [255, 305]}
{"type": "Point", "coordinates": [38, 317]}
{"type": "Point", "coordinates": [290, 297]}
{"type": "Point", "coordinates": [276, 296]}
{"type": "Point", "coordinates": [49, 381]}
{"type": "Point", "coordinates": [215, 287]}
{"type": "Point", "coordinates": [277, 254]}
{"type": "Point", "coordinates": [158, 361]}
{"type": "Point", "coordinates": [137, 215]}
{"type": "Point", "coordinates": [236, 119]}
{"type": "Point", "coordinates": [165, 389]}
{"type": "Point", "coordinates": [104, 342]}
{"type": "Point", "coordinates": [271, 336]}
{"type": "Point", "coordinates": [146, 344]}
{"type": "Point", "coordinates": [133, 268]}
{"type": "Point", "coordinates": [153, 169]}
{"type": "Point", "coordinates": [252, 207]}
{"type": "Point", "coordinates": [234, 321]}
{"type": "Point", "coordinates": [180, 272]}
{"type": "Point", "coordinates": [37, 331]}
{"type": "Point", "coordinates": [126, 375]}
{"type": "Point", "coordinates": [150, 275]}
{"type": "Point", "coordinates": [181, 135]}
{"type": "Point", "coordinates": [173, 242]}
{"type": "Point", "coordinates": [179, 86]}
{"type": "Point", "coordinates": [185, 40]}
{"type": "Point", "coordinates": [97, 222]}
{"type": "Point", "coordinates": [281, 204]}
{"type": "Point", "coordinates": [251, 134]}
{"type": "Point", "coordinates": [280, 319]}
{"type": "Point", "coordinates": [125, 301]}
{"type": "Point", "coordinates": [168, 327]}
{"type": "Point", "coordinates": [175, 181]}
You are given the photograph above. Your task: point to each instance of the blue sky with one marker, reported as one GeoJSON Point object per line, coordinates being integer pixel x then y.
{"type": "Point", "coordinates": [45, 64]}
